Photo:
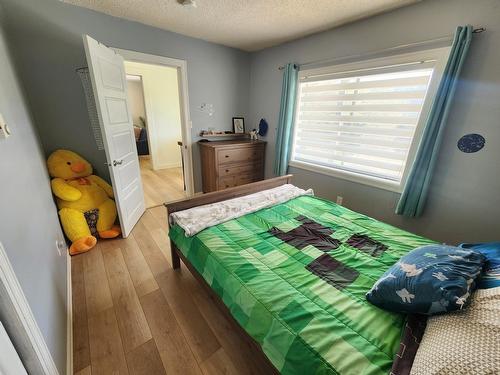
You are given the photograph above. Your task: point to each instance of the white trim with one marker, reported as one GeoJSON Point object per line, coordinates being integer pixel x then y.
{"type": "Point", "coordinates": [438, 55]}
{"type": "Point", "coordinates": [385, 62]}
{"type": "Point", "coordinates": [349, 176]}
{"type": "Point", "coordinates": [442, 55]}
{"type": "Point", "coordinates": [69, 319]}
{"type": "Point", "coordinates": [181, 66]}
{"type": "Point", "coordinates": [9, 280]}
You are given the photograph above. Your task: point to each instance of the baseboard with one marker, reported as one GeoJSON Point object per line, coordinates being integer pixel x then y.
{"type": "Point", "coordinates": [25, 315]}
{"type": "Point", "coordinates": [69, 349]}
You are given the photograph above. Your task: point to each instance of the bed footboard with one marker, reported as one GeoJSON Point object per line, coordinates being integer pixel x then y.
{"type": "Point", "coordinates": [218, 196]}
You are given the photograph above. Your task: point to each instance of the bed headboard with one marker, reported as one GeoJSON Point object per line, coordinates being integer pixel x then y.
{"type": "Point", "coordinates": [230, 193]}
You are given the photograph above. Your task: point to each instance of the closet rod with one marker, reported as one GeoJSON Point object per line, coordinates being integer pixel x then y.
{"type": "Point", "coordinates": [390, 49]}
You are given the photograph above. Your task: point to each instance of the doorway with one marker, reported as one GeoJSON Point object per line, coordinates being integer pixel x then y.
{"type": "Point", "coordinates": [156, 105]}
{"type": "Point", "coordinates": [109, 92]}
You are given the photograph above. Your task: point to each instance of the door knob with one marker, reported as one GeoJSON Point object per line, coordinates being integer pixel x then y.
{"type": "Point", "coordinates": [117, 162]}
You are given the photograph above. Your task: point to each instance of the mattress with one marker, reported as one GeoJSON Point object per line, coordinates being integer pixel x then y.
{"type": "Point", "coordinates": [295, 275]}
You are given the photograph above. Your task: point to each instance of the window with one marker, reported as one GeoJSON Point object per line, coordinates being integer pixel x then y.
{"type": "Point", "coordinates": [363, 121]}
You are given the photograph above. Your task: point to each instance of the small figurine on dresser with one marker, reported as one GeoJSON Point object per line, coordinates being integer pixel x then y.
{"type": "Point", "coordinates": [253, 135]}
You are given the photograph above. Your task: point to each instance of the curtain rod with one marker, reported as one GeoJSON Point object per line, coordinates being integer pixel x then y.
{"type": "Point", "coordinates": [390, 49]}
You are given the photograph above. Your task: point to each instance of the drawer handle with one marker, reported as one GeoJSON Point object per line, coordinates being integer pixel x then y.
{"type": "Point", "coordinates": [227, 156]}
{"type": "Point", "coordinates": [227, 170]}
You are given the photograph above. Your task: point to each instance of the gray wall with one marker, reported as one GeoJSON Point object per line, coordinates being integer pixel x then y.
{"type": "Point", "coordinates": [46, 36]}
{"type": "Point", "coordinates": [29, 225]}
{"type": "Point", "coordinates": [464, 201]}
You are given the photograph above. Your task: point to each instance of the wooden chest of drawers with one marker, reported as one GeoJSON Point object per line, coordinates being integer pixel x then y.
{"type": "Point", "coordinates": [226, 164]}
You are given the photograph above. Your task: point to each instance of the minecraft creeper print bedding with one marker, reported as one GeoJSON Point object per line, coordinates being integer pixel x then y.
{"type": "Point", "coordinates": [295, 276]}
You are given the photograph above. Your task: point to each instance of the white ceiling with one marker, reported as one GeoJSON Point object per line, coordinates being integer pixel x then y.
{"type": "Point", "coordinates": [246, 24]}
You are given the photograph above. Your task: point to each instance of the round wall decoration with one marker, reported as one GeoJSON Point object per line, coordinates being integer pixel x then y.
{"type": "Point", "coordinates": [263, 127]}
{"type": "Point", "coordinates": [471, 143]}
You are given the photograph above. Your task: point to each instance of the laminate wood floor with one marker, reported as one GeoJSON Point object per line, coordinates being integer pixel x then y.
{"type": "Point", "coordinates": [161, 185]}
{"type": "Point", "coordinates": [133, 314]}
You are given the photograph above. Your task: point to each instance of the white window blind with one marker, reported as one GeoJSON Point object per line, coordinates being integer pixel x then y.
{"type": "Point", "coordinates": [362, 123]}
{"type": "Point", "coordinates": [364, 119]}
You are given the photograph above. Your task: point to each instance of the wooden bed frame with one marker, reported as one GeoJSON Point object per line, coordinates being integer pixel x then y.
{"type": "Point", "coordinates": [177, 255]}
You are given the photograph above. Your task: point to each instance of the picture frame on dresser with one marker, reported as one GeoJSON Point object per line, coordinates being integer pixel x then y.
{"type": "Point", "coordinates": [238, 125]}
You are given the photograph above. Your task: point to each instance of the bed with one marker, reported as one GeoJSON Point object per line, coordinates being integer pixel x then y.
{"type": "Point", "coordinates": [294, 276]}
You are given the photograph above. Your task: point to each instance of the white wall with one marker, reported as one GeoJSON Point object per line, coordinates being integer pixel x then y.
{"type": "Point", "coordinates": [161, 95]}
{"type": "Point", "coordinates": [136, 100]}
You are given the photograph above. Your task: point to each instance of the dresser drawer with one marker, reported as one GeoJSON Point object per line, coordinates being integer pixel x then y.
{"type": "Point", "coordinates": [235, 155]}
{"type": "Point", "coordinates": [232, 181]}
{"type": "Point", "coordinates": [236, 169]}
{"type": "Point", "coordinates": [246, 179]}
{"type": "Point", "coordinates": [226, 164]}
{"type": "Point", "coordinates": [226, 182]}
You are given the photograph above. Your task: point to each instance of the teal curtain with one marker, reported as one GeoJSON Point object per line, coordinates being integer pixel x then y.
{"type": "Point", "coordinates": [415, 191]}
{"type": "Point", "coordinates": [285, 120]}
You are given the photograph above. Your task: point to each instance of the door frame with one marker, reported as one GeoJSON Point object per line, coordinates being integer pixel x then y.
{"type": "Point", "coordinates": [21, 325]}
{"type": "Point", "coordinates": [186, 124]}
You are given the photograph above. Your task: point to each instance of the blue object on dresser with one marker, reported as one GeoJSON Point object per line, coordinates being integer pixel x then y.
{"type": "Point", "coordinates": [428, 280]}
{"type": "Point", "coordinates": [491, 271]}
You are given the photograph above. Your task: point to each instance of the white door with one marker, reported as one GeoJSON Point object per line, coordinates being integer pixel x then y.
{"type": "Point", "coordinates": [107, 73]}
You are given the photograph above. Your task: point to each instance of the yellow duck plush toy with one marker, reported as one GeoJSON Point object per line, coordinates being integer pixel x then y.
{"type": "Point", "coordinates": [85, 203]}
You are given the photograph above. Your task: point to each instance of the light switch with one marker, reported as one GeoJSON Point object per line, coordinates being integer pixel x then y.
{"type": "Point", "coordinates": [4, 129]}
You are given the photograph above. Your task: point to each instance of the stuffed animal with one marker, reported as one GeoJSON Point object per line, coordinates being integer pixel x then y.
{"type": "Point", "coordinates": [84, 200]}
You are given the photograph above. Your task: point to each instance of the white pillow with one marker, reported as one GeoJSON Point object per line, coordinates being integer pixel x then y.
{"type": "Point", "coordinates": [463, 342]}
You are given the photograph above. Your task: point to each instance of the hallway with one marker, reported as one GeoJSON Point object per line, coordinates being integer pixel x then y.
{"type": "Point", "coordinates": [162, 185]}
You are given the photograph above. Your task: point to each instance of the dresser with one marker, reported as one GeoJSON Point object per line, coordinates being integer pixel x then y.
{"type": "Point", "coordinates": [226, 164]}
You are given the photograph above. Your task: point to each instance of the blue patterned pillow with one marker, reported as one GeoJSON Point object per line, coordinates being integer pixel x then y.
{"type": "Point", "coordinates": [491, 275]}
{"type": "Point", "coordinates": [428, 280]}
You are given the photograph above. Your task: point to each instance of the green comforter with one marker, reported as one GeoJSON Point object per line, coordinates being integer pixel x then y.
{"type": "Point", "coordinates": [295, 277]}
